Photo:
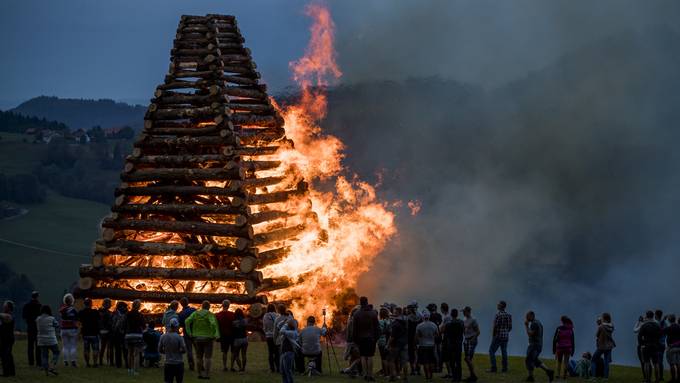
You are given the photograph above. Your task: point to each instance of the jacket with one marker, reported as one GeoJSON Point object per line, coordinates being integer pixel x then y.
{"type": "Point", "coordinates": [605, 340]}
{"type": "Point", "coordinates": [268, 322]}
{"type": "Point", "coordinates": [366, 324]}
{"type": "Point", "coordinates": [202, 324]}
{"type": "Point", "coordinates": [168, 315]}
{"type": "Point", "coordinates": [564, 339]}
{"type": "Point", "coordinates": [46, 327]}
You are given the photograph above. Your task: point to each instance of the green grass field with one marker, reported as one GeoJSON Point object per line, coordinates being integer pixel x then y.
{"type": "Point", "coordinates": [258, 371]}
{"type": "Point", "coordinates": [65, 225]}
{"type": "Point", "coordinates": [17, 156]}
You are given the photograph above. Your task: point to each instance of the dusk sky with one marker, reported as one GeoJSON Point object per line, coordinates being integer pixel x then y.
{"type": "Point", "coordinates": [120, 50]}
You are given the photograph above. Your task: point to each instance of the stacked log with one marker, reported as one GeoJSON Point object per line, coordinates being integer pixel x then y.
{"type": "Point", "coordinates": [195, 172]}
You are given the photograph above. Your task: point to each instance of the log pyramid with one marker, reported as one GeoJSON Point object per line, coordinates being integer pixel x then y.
{"type": "Point", "coordinates": [199, 208]}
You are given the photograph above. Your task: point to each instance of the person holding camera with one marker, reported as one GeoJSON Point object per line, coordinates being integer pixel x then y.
{"type": "Point", "coordinates": [310, 342]}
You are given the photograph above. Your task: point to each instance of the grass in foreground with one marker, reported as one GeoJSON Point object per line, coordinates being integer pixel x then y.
{"type": "Point", "coordinates": [258, 371]}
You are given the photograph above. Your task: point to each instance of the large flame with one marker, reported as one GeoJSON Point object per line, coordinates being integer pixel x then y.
{"type": "Point", "coordinates": [353, 224]}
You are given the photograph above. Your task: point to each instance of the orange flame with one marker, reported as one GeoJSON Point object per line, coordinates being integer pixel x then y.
{"type": "Point", "coordinates": [353, 225]}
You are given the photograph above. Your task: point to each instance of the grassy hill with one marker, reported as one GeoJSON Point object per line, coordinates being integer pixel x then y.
{"type": "Point", "coordinates": [258, 371]}
{"type": "Point", "coordinates": [83, 113]}
{"type": "Point", "coordinates": [51, 241]}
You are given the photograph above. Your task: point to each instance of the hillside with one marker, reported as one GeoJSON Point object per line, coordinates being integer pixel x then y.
{"type": "Point", "coordinates": [14, 122]}
{"type": "Point", "coordinates": [84, 114]}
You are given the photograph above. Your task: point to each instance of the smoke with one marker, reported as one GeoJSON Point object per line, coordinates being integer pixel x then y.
{"type": "Point", "coordinates": [544, 156]}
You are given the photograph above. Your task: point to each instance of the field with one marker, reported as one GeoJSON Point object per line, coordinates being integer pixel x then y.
{"type": "Point", "coordinates": [18, 154]}
{"type": "Point", "coordinates": [66, 227]}
{"type": "Point", "coordinates": [258, 372]}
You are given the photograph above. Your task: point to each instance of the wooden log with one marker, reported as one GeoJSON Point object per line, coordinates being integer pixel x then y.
{"type": "Point", "coordinates": [272, 284]}
{"type": "Point", "coordinates": [208, 130]}
{"type": "Point", "coordinates": [186, 227]}
{"type": "Point", "coordinates": [261, 136]}
{"type": "Point", "coordinates": [178, 113]}
{"type": "Point", "coordinates": [261, 182]}
{"type": "Point", "coordinates": [256, 310]}
{"type": "Point", "coordinates": [247, 264]}
{"type": "Point", "coordinates": [129, 272]}
{"type": "Point", "coordinates": [269, 215]}
{"type": "Point", "coordinates": [97, 260]}
{"type": "Point", "coordinates": [230, 191]}
{"type": "Point", "coordinates": [172, 142]}
{"type": "Point", "coordinates": [271, 257]}
{"type": "Point", "coordinates": [127, 247]}
{"type": "Point", "coordinates": [184, 160]}
{"type": "Point", "coordinates": [239, 80]}
{"type": "Point", "coordinates": [245, 92]}
{"type": "Point", "coordinates": [275, 197]}
{"type": "Point", "coordinates": [242, 70]}
{"type": "Point", "coordinates": [257, 151]}
{"type": "Point", "coordinates": [181, 84]}
{"type": "Point", "coordinates": [278, 235]}
{"type": "Point", "coordinates": [185, 174]}
{"type": "Point", "coordinates": [256, 107]}
{"type": "Point", "coordinates": [181, 209]}
{"type": "Point", "coordinates": [260, 165]}
{"type": "Point", "coordinates": [273, 121]}
{"type": "Point", "coordinates": [166, 296]}
{"type": "Point", "coordinates": [174, 98]}
{"type": "Point", "coordinates": [85, 282]}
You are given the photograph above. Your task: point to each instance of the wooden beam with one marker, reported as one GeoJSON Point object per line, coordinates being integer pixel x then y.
{"type": "Point", "coordinates": [166, 296]}
{"type": "Point", "coordinates": [186, 227]}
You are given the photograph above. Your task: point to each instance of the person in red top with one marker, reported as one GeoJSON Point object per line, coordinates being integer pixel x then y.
{"type": "Point", "coordinates": [225, 320]}
{"type": "Point", "coordinates": [564, 345]}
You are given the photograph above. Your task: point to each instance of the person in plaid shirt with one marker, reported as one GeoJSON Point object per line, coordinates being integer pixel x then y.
{"type": "Point", "coordinates": [502, 325]}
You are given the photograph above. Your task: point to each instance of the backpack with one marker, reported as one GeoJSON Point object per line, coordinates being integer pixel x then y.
{"type": "Point", "coordinates": [118, 322]}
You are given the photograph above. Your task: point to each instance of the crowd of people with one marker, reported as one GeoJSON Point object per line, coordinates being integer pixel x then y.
{"type": "Point", "coordinates": [408, 341]}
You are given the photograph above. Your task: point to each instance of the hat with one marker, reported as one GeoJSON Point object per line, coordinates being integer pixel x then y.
{"type": "Point", "coordinates": [174, 323]}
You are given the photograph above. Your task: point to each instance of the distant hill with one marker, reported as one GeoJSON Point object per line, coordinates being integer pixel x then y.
{"type": "Point", "coordinates": [82, 113]}
{"type": "Point", "coordinates": [12, 122]}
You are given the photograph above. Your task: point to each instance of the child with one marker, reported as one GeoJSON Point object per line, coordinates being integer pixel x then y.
{"type": "Point", "coordinates": [172, 346]}
{"type": "Point", "coordinates": [583, 365]}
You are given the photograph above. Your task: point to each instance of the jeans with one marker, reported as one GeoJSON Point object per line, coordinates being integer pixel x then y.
{"type": "Point", "coordinates": [69, 339]}
{"type": "Point", "coordinates": [607, 356]}
{"type": "Point", "coordinates": [33, 349]}
{"type": "Point", "coordinates": [204, 351]}
{"type": "Point", "coordinates": [495, 344]}
{"type": "Point", "coordinates": [189, 343]}
{"type": "Point", "coordinates": [287, 364]}
{"type": "Point", "coordinates": [7, 359]}
{"type": "Point", "coordinates": [317, 358]}
{"type": "Point", "coordinates": [45, 355]}
{"type": "Point", "coordinates": [173, 372]}
{"type": "Point", "coordinates": [456, 363]}
{"type": "Point", "coordinates": [274, 357]}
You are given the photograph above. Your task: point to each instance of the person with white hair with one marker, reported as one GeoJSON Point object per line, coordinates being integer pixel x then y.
{"type": "Point", "coordinates": [172, 346]}
{"type": "Point", "coordinates": [69, 330]}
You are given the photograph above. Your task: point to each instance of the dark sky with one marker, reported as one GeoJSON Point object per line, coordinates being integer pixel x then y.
{"type": "Point", "coordinates": [120, 49]}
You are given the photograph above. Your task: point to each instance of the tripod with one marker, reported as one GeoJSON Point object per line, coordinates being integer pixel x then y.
{"type": "Point", "coordinates": [329, 345]}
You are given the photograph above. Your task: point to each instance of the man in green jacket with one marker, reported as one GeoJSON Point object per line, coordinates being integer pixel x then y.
{"type": "Point", "coordinates": [202, 327]}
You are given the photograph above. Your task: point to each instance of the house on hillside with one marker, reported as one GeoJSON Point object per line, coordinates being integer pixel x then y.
{"type": "Point", "coordinates": [80, 136]}
{"type": "Point", "coordinates": [46, 136]}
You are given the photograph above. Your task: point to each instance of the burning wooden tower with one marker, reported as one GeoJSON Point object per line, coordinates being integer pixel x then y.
{"type": "Point", "coordinates": [202, 204]}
